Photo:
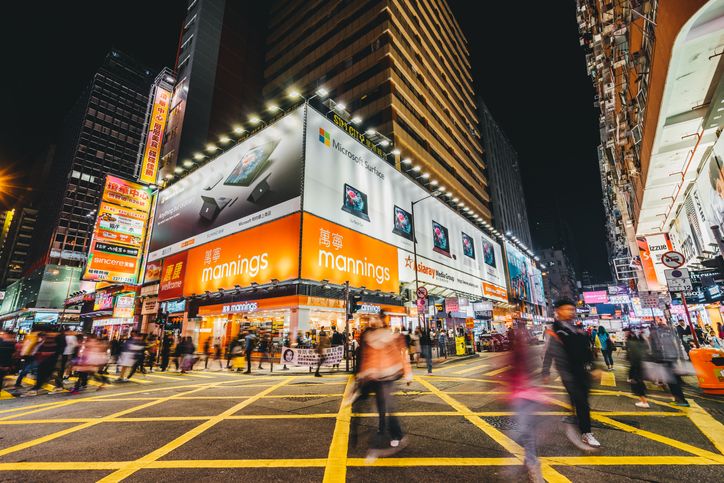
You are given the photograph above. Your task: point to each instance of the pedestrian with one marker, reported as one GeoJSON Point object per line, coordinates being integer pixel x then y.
{"type": "Point", "coordinates": [7, 349]}
{"type": "Point", "coordinates": [92, 356]}
{"type": "Point", "coordinates": [166, 351]}
{"type": "Point", "coordinates": [684, 333]}
{"type": "Point", "coordinates": [525, 397]}
{"type": "Point", "coordinates": [595, 342]}
{"type": "Point", "coordinates": [60, 346]}
{"type": "Point", "coordinates": [129, 356]}
{"type": "Point", "coordinates": [29, 347]}
{"type": "Point", "coordinates": [116, 346]}
{"type": "Point", "coordinates": [249, 343]}
{"type": "Point", "coordinates": [383, 360]}
{"type": "Point", "coordinates": [442, 343]}
{"type": "Point", "coordinates": [152, 351]}
{"type": "Point", "coordinates": [140, 354]}
{"type": "Point", "coordinates": [337, 340]}
{"type": "Point", "coordinates": [665, 352]}
{"type": "Point", "coordinates": [607, 347]}
{"type": "Point", "coordinates": [207, 352]}
{"type": "Point", "coordinates": [46, 357]}
{"type": "Point", "coordinates": [426, 348]}
{"type": "Point", "coordinates": [187, 354]}
{"type": "Point", "coordinates": [570, 348]}
{"type": "Point", "coordinates": [217, 355]}
{"type": "Point", "coordinates": [414, 347]}
{"type": "Point", "coordinates": [264, 347]}
{"type": "Point", "coordinates": [720, 330]}
{"type": "Point", "coordinates": [637, 353]}
{"type": "Point", "coordinates": [323, 344]}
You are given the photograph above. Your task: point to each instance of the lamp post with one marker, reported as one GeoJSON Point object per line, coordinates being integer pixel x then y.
{"type": "Point", "coordinates": [434, 194]}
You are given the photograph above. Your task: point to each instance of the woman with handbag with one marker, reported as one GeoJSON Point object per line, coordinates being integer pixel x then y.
{"type": "Point", "coordinates": [637, 353]}
{"type": "Point", "coordinates": [607, 346]}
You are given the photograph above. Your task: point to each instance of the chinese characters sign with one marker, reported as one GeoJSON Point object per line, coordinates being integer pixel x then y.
{"type": "Point", "coordinates": [154, 137]}
{"type": "Point", "coordinates": [119, 232]}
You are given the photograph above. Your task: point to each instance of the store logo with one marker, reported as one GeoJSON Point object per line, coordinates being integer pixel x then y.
{"type": "Point", "coordinates": [324, 136]}
{"type": "Point", "coordinates": [370, 309]}
{"type": "Point", "coordinates": [240, 307]}
{"type": "Point", "coordinates": [173, 272]}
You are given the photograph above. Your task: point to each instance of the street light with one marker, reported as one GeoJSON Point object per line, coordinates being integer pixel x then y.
{"type": "Point", "coordinates": [434, 194]}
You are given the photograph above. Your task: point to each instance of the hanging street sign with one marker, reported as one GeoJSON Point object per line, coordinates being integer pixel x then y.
{"type": "Point", "coordinates": [678, 280]}
{"type": "Point", "coordinates": [673, 259]}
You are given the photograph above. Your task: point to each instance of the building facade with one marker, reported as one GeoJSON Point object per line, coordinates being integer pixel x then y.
{"type": "Point", "coordinates": [510, 214]}
{"type": "Point", "coordinates": [101, 135]}
{"type": "Point", "coordinates": [402, 69]}
{"type": "Point", "coordinates": [219, 67]}
{"type": "Point", "coordinates": [16, 232]}
{"type": "Point", "coordinates": [559, 278]}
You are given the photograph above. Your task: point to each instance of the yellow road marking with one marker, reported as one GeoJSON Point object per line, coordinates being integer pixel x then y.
{"type": "Point", "coordinates": [712, 429]}
{"type": "Point", "coordinates": [471, 369]}
{"type": "Point", "coordinates": [496, 435]}
{"type": "Point", "coordinates": [608, 379]}
{"type": "Point", "coordinates": [336, 466]}
{"type": "Point", "coordinates": [662, 439]}
{"type": "Point", "coordinates": [406, 462]}
{"type": "Point", "coordinates": [625, 460]}
{"type": "Point", "coordinates": [497, 371]}
{"type": "Point", "coordinates": [6, 395]}
{"type": "Point", "coordinates": [136, 465]}
{"type": "Point", "coordinates": [434, 377]}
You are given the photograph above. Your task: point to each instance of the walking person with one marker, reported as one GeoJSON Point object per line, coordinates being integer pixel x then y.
{"type": "Point", "coordinates": [607, 347]}
{"type": "Point", "coordinates": [249, 343]}
{"type": "Point", "coordinates": [46, 357]}
{"type": "Point", "coordinates": [207, 353]}
{"type": "Point", "coordinates": [129, 357]}
{"type": "Point", "coordinates": [442, 343]}
{"type": "Point", "coordinates": [7, 349]}
{"type": "Point", "coordinates": [140, 354]}
{"type": "Point", "coordinates": [152, 351]}
{"type": "Point", "coordinates": [665, 352]}
{"type": "Point", "coordinates": [637, 353]}
{"type": "Point", "coordinates": [115, 348]}
{"type": "Point", "coordinates": [264, 347]}
{"type": "Point", "coordinates": [187, 354]}
{"type": "Point", "coordinates": [92, 356]}
{"type": "Point", "coordinates": [383, 360]}
{"type": "Point", "coordinates": [570, 348]}
{"type": "Point", "coordinates": [337, 340]}
{"type": "Point", "coordinates": [166, 352]}
{"type": "Point", "coordinates": [217, 356]}
{"type": "Point", "coordinates": [323, 344]}
{"type": "Point", "coordinates": [426, 348]}
{"type": "Point", "coordinates": [414, 346]}
{"type": "Point", "coordinates": [30, 346]}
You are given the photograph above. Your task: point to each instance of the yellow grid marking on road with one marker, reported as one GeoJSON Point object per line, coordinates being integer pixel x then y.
{"type": "Point", "coordinates": [500, 370]}
{"type": "Point", "coordinates": [496, 435]}
{"type": "Point", "coordinates": [433, 377]}
{"type": "Point", "coordinates": [712, 429]}
{"type": "Point", "coordinates": [73, 429]}
{"type": "Point", "coordinates": [661, 439]}
{"type": "Point", "coordinates": [407, 462]}
{"type": "Point", "coordinates": [140, 463]}
{"type": "Point", "coordinates": [625, 460]}
{"type": "Point", "coordinates": [335, 469]}
{"type": "Point", "coordinates": [133, 379]}
{"type": "Point", "coordinates": [608, 379]}
{"type": "Point", "coordinates": [471, 369]}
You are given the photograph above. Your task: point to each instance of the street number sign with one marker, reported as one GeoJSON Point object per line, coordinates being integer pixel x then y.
{"type": "Point", "coordinates": [678, 280]}
{"type": "Point", "coordinates": [673, 259]}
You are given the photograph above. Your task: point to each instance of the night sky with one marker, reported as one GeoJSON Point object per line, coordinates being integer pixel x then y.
{"type": "Point", "coordinates": [527, 63]}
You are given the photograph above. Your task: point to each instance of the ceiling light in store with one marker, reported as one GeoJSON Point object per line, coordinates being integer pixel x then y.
{"type": "Point", "coordinates": [272, 107]}
{"type": "Point", "coordinates": [416, 168]}
{"type": "Point", "coordinates": [322, 92]}
{"type": "Point", "coordinates": [294, 94]}
{"type": "Point", "coordinates": [434, 182]}
{"type": "Point", "coordinates": [455, 200]}
{"type": "Point", "coordinates": [370, 132]}
{"type": "Point", "coordinates": [340, 105]}
{"type": "Point", "coordinates": [384, 143]}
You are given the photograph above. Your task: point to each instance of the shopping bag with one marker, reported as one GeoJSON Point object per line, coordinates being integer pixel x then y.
{"type": "Point", "coordinates": [657, 373]}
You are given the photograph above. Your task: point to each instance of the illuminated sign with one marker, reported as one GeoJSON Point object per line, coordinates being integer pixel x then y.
{"type": "Point", "coordinates": [239, 307]}
{"type": "Point", "coordinates": [154, 136]}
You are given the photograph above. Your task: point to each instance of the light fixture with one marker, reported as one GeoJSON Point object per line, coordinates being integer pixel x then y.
{"type": "Point", "coordinates": [239, 130]}
{"type": "Point", "coordinates": [370, 132]}
{"type": "Point", "coordinates": [198, 156]}
{"type": "Point", "coordinates": [168, 176]}
{"type": "Point", "coordinates": [384, 143]}
{"type": "Point", "coordinates": [416, 168]}
{"type": "Point", "coordinates": [396, 152]}
{"type": "Point", "coordinates": [188, 163]}
{"type": "Point", "coordinates": [448, 194]}
{"type": "Point", "coordinates": [407, 161]}
{"type": "Point", "coordinates": [455, 200]}
{"type": "Point", "coordinates": [425, 175]}
{"type": "Point", "coordinates": [152, 186]}
{"type": "Point", "coordinates": [322, 92]}
{"type": "Point", "coordinates": [211, 147]}
{"type": "Point", "coordinates": [356, 120]}
{"type": "Point", "coordinates": [340, 105]}
{"type": "Point", "coordinates": [224, 139]}
{"type": "Point", "coordinates": [272, 107]}
{"type": "Point", "coordinates": [294, 94]}
{"type": "Point", "coordinates": [434, 182]}
{"type": "Point", "coordinates": [508, 233]}
{"type": "Point", "coordinates": [442, 188]}
{"type": "Point", "coordinates": [254, 120]}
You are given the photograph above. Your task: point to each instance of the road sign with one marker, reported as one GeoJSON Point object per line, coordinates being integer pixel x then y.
{"type": "Point", "coordinates": [421, 292]}
{"type": "Point", "coordinates": [678, 280]}
{"type": "Point", "coordinates": [673, 259]}
{"type": "Point", "coordinates": [649, 300]}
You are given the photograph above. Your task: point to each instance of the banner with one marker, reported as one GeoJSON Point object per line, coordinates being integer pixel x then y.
{"type": "Point", "coordinates": [260, 254]}
{"type": "Point", "coordinates": [119, 232]}
{"type": "Point", "coordinates": [520, 268]}
{"type": "Point", "coordinates": [310, 357]}
{"type": "Point", "coordinates": [257, 181]}
{"type": "Point", "coordinates": [596, 297]}
{"type": "Point", "coordinates": [171, 281]}
{"type": "Point", "coordinates": [154, 136]}
{"type": "Point", "coordinates": [655, 246]}
{"type": "Point", "coordinates": [352, 187]}
{"type": "Point", "coordinates": [124, 305]}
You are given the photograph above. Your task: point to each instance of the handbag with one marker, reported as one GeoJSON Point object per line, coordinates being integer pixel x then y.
{"type": "Point", "coordinates": [657, 373]}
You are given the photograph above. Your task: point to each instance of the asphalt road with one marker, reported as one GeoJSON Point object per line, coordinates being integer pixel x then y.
{"type": "Point", "coordinates": [221, 426]}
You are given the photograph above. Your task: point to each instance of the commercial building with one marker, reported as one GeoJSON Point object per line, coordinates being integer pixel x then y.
{"type": "Point", "coordinates": [219, 67]}
{"type": "Point", "coordinates": [559, 278]}
{"type": "Point", "coordinates": [510, 215]}
{"type": "Point", "coordinates": [656, 69]}
{"type": "Point", "coordinates": [101, 135]}
{"type": "Point", "coordinates": [277, 230]}
{"type": "Point", "coordinates": [16, 232]}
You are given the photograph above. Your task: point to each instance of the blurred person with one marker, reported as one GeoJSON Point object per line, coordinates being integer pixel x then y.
{"type": "Point", "coordinates": [323, 344]}
{"type": "Point", "coordinates": [525, 397]}
{"type": "Point", "coordinates": [426, 348]}
{"type": "Point", "coordinates": [217, 355]}
{"type": "Point", "coordinates": [414, 347]}
{"type": "Point", "coordinates": [684, 333]}
{"type": "Point", "coordinates": [570, 348]}
{"type": "Point", "coordinates": [637, 353]}
{"type": "Point", "coordinates": [382, 360]}
{"type": "Point", "coordinates": [141, 355]}
{"type": "Point", "coordinates": [665, 352]}
{"type": "Point", "coordinates": [67, 349]}
{"type": "Point", "coordinates": [720, 330]}
{"type": "Point", "coordinates": [442, 343]}
{"type": "Point", "coordinates": [46, 357]}
{"type": "Point", "coordinates": [7, 350]}
{"type": "Point", "coordinates": [207, 352]}
{"type": "Point", "coordinates": [337, 340]}
{"type": "Point", "coordinates": [152, 351]}
{"type": "Point", "coordinates": [607, 346]}
{"type": "Point", "coordinates": [92, 356]}
{"type": "Point", "coordinates": [115, 349]}
{"type": "Point", "coordinates": [187, 354]}
{"type": "Point", "coordinates": [249, 344]}
{"type": "Point", "coordinates": [264, 347]}
{"type": "Point", "coordinates": [714, 340]}
{"type": "Point", "coordinates": [166, 351]}
{"type": "Point", "coordinates": [595, 342]}
{"type": "Point", "coordinates": [29, 347]}
{"type": "Point", "coordinates": [129, 356]}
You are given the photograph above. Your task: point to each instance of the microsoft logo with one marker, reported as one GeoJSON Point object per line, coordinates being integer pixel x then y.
{"type": "Point", "coordinates": [323, 137]}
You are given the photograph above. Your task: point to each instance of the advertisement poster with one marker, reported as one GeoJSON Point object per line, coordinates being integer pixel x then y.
{"type": "Point", "coordinates": [596, 297]}
{"type": "Point", "coordinates": [119, 231]}
{"type": "Point", "coordinates": [252, 183]}
{"type": "Point", "coordinates": [124, 305]}
{"type": "Point", "coordinates": [520, 269]}
{"type": "Point", "coordinates": [103, 301]}
{"type": "Point", "coordinates": [260, 254]}
{"type": "Point", "coordinates": [352, 187]}
{"type": "Point", "coordinates": [656, 245]}
{"type": "Point", "coordinates": [171, 281]}
{"type": "Point", "coordinates": [154, 136]}
{"type": "Point", "coordinates": [309, 357]}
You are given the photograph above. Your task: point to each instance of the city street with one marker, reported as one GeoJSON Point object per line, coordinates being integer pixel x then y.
{"type": "Point", "coordinates": [210, 425]}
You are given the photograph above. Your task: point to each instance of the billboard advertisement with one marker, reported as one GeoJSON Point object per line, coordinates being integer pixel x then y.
{"type": "Point", "coordinates": [260, 254]}
{"type": "Point", "coordinates": [257, 181]}
{"type": "Point", "coordinates": [596, 297]}
{"type": "Point", "coordinates": [651, 248]}
{"type": "Point", "coordinates": [357, 192]}
{"type": "Point", "coordinates": [520, 269]}
{"type": "Point", "coordinates": [154, 136]}
{"type": "Point", "coordinates": [119, 231]}
{"type": "Point", "coordinates": [171, 281]}
{"type": "Point", "coordinates": [124, 305]}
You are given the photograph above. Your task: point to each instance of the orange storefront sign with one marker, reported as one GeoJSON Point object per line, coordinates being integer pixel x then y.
{"type": "Point", "coordinates": [338, 254]}
{"type": "Point", "coordinates": [260, 254]}
{"type": "Point", "coordinates": [494, 292]}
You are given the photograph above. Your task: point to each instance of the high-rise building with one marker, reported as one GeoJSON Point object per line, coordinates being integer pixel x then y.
{"type": "Point", "coordinates": [506, 186]}
{"type": "Point", "coordinates": [219, 67]}
{"type": "Point", "coordinates": [101, 135]}
{"type": "Point", "coordinates": [16, 232]}
{"type": "Point", "coordinates": [559, 280]}
{"type": "Point", "coordinates": [400, 69]}
{"type": "Point", "coordinates": [658, 87]}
